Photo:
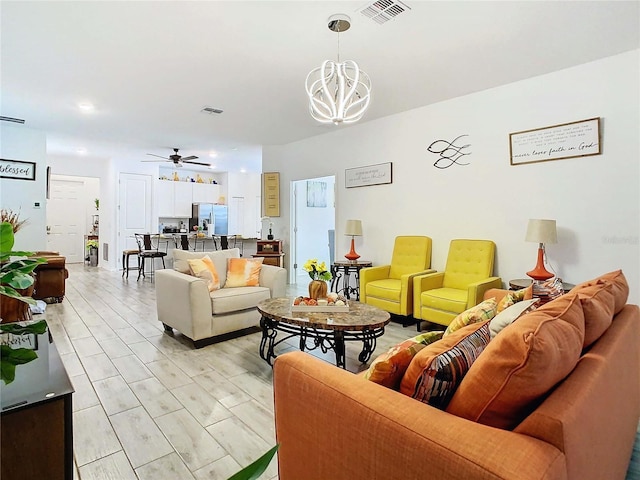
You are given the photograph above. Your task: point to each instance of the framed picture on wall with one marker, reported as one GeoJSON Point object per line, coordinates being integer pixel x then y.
{"type": "Point", "coordinates": [316, 194]}
{"type": "Point", "coordinates": [17, 169]}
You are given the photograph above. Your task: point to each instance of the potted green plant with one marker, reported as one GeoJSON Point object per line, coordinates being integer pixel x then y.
{"type": "Point", "coordinates": [16, 275]}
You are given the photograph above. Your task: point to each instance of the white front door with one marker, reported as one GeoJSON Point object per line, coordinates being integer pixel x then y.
{"type": "Point", "coordinates": [134, 206]}
{"type": "Point", "coordinates": [66, 219]}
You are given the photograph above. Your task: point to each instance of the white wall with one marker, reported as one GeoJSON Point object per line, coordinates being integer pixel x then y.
{"type": "Point", "coordinates": [24, 144]}
{"type": "Point", "coordinates": [595, 199]}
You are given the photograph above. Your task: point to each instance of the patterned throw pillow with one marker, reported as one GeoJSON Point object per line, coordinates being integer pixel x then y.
{"type": "Point", "coordinates": [436, 371]}
{"type": "Point", "coordinates": [243, 272]}
{"type": "Point", "coordinates": [205, 269]}
{"type": "Point", "coordinates": [483, 311]}
{"type": "Point", "coordinates": [389, 367]}
{"type": "Point", "coordinates": [514, 297]}
{"type": "Point", "coordinates": [510, 315]}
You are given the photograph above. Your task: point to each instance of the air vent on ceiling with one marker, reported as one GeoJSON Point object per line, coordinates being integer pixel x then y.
{"type": "Point", "coordinates": [11, 119]}
{"type": "Point", "coordinates": [382, 11]}
{"type": "Point", "coordinates": [211, 110]}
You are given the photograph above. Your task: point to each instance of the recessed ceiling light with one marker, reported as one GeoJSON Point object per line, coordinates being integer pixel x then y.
{"type": "Point", "coordinates": [213, 154]}
{"type": "Point", "coordinates": [85, 106]}
{"type": "Point", "coordinates": [212, 167]}
{"type": "Point", "coordinates": [81, 150]}
{"type": "Point", "coordinates": [243, 170]}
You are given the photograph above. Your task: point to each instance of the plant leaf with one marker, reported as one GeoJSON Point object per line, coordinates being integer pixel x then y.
{"type": "Point", "coordinates": [18, 356]}
{"type": "Point", "coordinates": [16, 328]}
{"type": "Point", "coordinates": [257, 468]}
{"type": "Point", "coordinates": [6, 237]}
{"type": "Point", "coordinates": [7, 372]}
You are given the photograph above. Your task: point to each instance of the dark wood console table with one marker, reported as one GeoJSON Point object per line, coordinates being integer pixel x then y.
{"type": "Point", "coordinates": [36, 418]}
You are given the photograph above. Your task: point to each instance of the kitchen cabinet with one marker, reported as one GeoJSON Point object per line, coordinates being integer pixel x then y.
{"type": "Point", "coordinates": [174, 199]}
{"type": "Point", "coordinates": [206, 192]}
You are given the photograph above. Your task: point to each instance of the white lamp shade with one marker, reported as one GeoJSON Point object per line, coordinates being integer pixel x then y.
{"type": "Point", "coordinates": [353, 228]}
{"type": "Point", "coordinates": [541, 231]}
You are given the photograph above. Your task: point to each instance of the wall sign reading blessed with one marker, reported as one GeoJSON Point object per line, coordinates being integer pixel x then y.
{"type": "Point", "coordinates": [567, 140]}
{"type": "Point", "coordinates": [369, 175]}
{"type": "Point", "coordinates": [17, 169]}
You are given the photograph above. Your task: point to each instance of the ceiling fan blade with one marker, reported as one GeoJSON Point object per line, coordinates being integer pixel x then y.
{"type": "Point", "coordinates": [192, 157]}
{"type": "Point", "coordinates": [155, 160]}
{"type": "Point", "coordinates": [154, 155]}
{"type": "Point", "coordinates": [196, 163]}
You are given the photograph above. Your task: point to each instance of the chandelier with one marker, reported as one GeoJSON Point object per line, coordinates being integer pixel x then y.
{"type": "Point", "coordinates": [339, 92]}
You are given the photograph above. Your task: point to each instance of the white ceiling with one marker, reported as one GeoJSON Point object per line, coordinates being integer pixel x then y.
{"type": "Point", "coordinates": [150, 67]}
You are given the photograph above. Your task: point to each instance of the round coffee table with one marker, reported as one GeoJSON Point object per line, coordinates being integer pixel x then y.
{"type": "Point", "coordinates": [323, 330]}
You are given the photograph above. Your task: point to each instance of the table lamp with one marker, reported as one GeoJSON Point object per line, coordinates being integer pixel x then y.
{"type": "Point", "coordinates": [353, 228]}
{"type": "Point", "coordinates": [541, 232]}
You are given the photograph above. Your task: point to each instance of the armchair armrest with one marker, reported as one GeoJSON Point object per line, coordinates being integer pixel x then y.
{"type": "Point", "coordinates": [422, 283]}
{"type": "Point", "coordinates": [275, 278]}
{"type": "Point", "coordinates": [477, 290]}
{"type": "Point", "coordinates": [184, 303]}
{"type": "Point", "coordinates": [370, 274]}
{"type": "Point", "coordinates": [356, 427]}
{"type": "Point", "coordinates": [406, 289]}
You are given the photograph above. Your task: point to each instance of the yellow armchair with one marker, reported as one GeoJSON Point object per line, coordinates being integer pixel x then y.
{"type": "Point", "coordinates": [390, 287]}
{"type": "Point", "coordinates": [440, 297]}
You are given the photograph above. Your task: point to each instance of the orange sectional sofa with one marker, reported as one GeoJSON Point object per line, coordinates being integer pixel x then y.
{"type": "Point", "coordinates": [332, 424]}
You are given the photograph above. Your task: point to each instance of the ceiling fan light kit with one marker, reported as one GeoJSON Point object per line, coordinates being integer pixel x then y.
{"type": "Point", "coordinates": [339, 92]}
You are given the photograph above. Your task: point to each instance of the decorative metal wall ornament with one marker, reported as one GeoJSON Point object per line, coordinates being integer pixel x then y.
{"type": "Point", "coordinates": [338, 92]}
{"type": "Point", "coordinates": [449, 152]}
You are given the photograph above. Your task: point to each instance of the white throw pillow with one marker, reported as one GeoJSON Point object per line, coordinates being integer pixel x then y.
{"type": "Point", "coordinates": [510, 315]}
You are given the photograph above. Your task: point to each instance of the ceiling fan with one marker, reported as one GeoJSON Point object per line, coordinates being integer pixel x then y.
{"type": "Point", "coordinates": [177, 159]}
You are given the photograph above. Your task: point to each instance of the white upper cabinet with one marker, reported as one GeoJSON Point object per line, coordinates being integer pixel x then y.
{"type": "Point", "coordinates": [205, 192]}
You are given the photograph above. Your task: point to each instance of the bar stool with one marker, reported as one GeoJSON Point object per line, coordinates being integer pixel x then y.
{"type": "Point", "coordinates": [148, 248]}
{"type": "Point", "coordinates": [125, 261]}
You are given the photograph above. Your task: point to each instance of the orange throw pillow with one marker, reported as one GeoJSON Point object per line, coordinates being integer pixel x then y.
{"type": "Point", "coordinates": [598, 304]}
{"type": "Point", "coordinates": [521, 365]}
{"type": "Point", "coordinates": [205, 269]}
{"type": "Point", "coordinates": [243, 272]}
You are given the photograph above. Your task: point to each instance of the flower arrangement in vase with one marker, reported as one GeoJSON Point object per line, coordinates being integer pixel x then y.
{"type": "Point", "coordinates": [319, 277]}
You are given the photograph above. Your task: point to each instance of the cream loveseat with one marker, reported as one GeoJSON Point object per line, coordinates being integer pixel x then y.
{"type": "Point", "coordinates": [185, 303]}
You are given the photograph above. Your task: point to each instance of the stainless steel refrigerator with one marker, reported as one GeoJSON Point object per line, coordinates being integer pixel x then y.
{"type": "Point", "coordinates": [214, 219]}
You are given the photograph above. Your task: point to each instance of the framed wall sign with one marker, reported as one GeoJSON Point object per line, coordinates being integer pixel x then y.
{"type": "Point", "coordinates": [17, 169]}
{"type": "Point", "coordinates": [567, 140]}
{"type": "Point", "coordinates": [271, 194]}
{"type": "Point", "coordinates": [368, 175]}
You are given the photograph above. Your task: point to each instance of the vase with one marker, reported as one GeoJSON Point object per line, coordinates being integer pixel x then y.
{"type": "Point", "coordinates": [318, 289]}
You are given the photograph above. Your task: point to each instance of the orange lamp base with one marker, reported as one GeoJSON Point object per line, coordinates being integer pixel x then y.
{"type": "Point", "coordinates": [539, 272]}
{"type": "Point", "coordinates": [352, 255]}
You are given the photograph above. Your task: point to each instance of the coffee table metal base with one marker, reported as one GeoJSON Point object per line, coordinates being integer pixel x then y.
{"type": "Point", "coordinates": [312, 338]}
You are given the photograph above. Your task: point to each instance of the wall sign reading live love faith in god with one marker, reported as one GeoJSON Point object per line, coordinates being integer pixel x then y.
{"type": "Point", "coordinates": [17, 169]}
{"type": "Point", "coordinates": [568, 140]}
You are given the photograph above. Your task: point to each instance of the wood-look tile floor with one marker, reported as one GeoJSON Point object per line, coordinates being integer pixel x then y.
{"type": "Point", "coordinates": [147, 405]}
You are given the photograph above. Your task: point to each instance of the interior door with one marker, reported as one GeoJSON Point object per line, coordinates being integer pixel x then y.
{"type": "Point", "coordinates": [134, 206]}
{"type": "Point", "coordinates": [66, 219]}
